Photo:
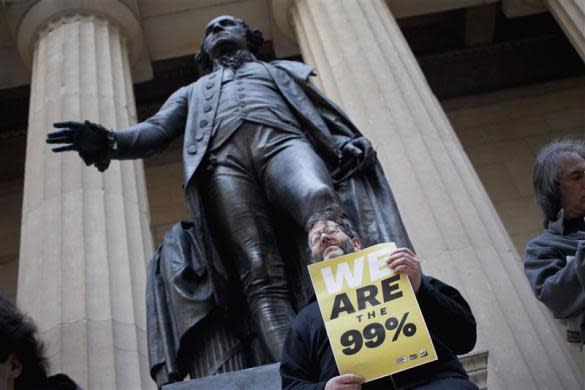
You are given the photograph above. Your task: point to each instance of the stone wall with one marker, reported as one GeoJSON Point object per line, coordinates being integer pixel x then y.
{"type": "Point", "coordinates": [503, 131]}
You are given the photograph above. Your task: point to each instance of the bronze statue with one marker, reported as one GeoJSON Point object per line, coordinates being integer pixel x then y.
{"type": "Point", "coordinates": [263, 151]}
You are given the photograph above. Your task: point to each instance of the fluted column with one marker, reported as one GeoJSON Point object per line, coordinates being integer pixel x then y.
{"type": "Point", "coordinates": [570, 14]}
{"type": "Point", "coordinates": [364, 63]}
{"type": "Point", "coordinates": [85, 235]}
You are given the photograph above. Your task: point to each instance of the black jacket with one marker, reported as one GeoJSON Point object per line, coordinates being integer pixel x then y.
{"type": "Point", "coordinates": [307, 360]}
{"type": "Point", "coordinates": [55, 382]}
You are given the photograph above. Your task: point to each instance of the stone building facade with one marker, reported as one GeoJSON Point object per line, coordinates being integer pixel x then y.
{"type": "Point", "coordinates": [456, 113]}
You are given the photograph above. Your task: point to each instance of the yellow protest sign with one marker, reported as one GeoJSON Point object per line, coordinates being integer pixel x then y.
{"type": "Point", "coordinates": [371, 314]}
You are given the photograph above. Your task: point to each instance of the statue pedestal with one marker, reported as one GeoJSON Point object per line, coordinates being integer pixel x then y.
{"type": "Point", "coordinates": [268, 377]}
{"type": "Point", "coordinates": [262, 377]}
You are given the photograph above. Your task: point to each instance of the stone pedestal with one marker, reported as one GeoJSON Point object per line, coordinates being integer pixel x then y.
{"type": "Point", "coordinates": [364, 63]}
{"type": "Point", "coordinates": [260, 378]}
{"type": "Point", "coordinates": [268, 377]}
{"type": "Point", "coordinates": [85, 235]}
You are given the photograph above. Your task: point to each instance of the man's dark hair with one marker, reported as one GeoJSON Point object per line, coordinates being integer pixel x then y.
{"type": "Point", "coordinates": [546, 174]}
{"type": "Point", "coordinates": [18, 336]}
{"type": "Point", "coordinates": [337, 215]}
{"type": "Point", "coordinates": [253, 36]}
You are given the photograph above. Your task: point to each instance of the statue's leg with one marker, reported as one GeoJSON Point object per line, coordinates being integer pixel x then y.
{"type": "Point", "coordinates": [308, 187]}
{"type": "Point", "coordinates": [237, 213]}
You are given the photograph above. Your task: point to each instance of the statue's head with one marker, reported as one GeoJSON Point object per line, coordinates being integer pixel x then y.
{"type": "Point", "coordinates": [224, 35]}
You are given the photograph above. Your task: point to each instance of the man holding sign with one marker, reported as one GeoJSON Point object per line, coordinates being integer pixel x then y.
{"type": "Point", "coordinates": [364, 323]}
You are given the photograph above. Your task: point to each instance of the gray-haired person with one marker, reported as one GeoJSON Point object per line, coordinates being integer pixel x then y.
{"type": "Point", "coordinates": [555, 260]}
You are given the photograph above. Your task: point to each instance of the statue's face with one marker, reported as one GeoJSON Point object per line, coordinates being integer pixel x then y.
{"type": "Point", "coordinates": [223, 35]}
{"type": "Point", "coordinates": [572, 185]}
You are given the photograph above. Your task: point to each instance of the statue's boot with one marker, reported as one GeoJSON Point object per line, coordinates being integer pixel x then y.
{"type": "Point", "coordinates": [274, 316]}
{"type": "Point", "coordinates": [214, 348]}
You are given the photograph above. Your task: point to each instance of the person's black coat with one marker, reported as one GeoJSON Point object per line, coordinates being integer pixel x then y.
{"type": "Point", "coordinates": [57, 382]}
{"type": "Point", "coordinates": [307, 360]}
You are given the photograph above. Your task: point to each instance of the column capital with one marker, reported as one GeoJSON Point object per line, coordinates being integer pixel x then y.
{"type": "Point", "coordinates": [29, 18]}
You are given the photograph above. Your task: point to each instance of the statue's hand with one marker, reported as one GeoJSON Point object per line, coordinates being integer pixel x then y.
{"type": "Point", "coordinates": [360, 148]}
{"type": "Point", "coordinates": [89, 139]}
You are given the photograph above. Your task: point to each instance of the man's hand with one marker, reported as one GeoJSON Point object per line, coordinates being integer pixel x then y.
{"type": "Point", "coordinates": [345, 382]}
{"type": "Point", "coordinates": [362, 148]}
{"type": "Point", "coordinates": [404, 260]}
{"type": "Point", "coordinates": [89, 139]}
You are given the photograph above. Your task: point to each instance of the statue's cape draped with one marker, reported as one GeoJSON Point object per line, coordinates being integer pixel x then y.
{"type": "Point", "coordinates": [179, 294]}
{"type": "Point", "coordinates": [187, 279]}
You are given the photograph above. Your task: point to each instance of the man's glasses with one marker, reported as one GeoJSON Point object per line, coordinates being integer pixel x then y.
{"type": "Point", "coordinates": [328, 231]}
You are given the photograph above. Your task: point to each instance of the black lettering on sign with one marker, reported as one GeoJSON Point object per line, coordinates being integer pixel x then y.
{"type": "Point", "coordinates": [388, 286]}
{"type": "Point", "coordinates": [341, 303]}
{"type": "Point", "coordinates": [367, 294]}
{"type": "Point", "coordinates": [352, 340]}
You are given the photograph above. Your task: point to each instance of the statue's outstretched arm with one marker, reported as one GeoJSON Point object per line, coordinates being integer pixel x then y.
{"type": "Point", "coordinates": [97, 145]}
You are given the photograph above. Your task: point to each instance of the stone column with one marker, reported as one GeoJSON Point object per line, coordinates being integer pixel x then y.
{"type": "Point", "coordinates": [85, 235]}
{"type": "Point", "coordinates": [364, 63]}
{"type": "Point", "coordinates": [570, 14]}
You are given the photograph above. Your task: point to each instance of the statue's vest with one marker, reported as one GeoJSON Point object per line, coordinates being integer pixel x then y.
{"type": "Point", "coordinates": [204, 99]}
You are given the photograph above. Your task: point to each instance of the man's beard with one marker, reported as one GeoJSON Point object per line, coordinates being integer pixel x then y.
{"type": "Point", "coordinates": [346, 246]}
{"type": "Point", "coordinates": [236, 59]}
